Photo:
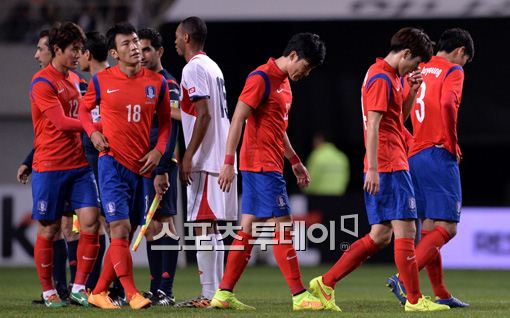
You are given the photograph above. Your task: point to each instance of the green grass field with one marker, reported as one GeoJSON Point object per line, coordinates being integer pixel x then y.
{"type": "Point", "coordinates": [362, 294]}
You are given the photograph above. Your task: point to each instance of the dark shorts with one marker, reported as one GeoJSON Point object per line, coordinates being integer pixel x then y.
{"type": "Point", "coordinates": [264, 194]}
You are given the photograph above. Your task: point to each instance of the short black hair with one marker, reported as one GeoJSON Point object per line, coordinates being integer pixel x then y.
{"type": "Point", "coordinates": [455, 38]}
{"type": "Point", "coordinates": [45, 33]}
{"type": "Point", "coordinates": [196, 28]}
{"type": "Point", "coordinates": [96, 45]}
{"type": "Point", "coordinates": [308, 46]}
{"type": "Point", "coordinates": [417, 41]}
{"type": "Point", "coordinates": [124, 28]}
{"type": "Point", "coordinates": [152, 35]}
{"type": "Point", "coordinates": [64, 34]}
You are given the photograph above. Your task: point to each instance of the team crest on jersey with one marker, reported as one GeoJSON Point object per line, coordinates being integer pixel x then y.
{"type": "Point", "coordinates": [110, 208]}
{"type": "Point", "coordinates": [281, 202]}
{"type": "Point", "coordinates": [191, 90]}
{"type": "Point", "coordinates": [42, 206]}
{"type": "Point", "coordinates": [150, 91]}
{"type": "Point", "coordinates": [412, 204]}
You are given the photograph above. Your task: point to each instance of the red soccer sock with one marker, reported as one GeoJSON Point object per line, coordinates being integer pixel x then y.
{"type": "Point", "coordinates": [88, 248]}
{"type": "Point", "coordinates": [405, 259]}
{"type": "Point", "coordinates": [287, 260]}
{"type": "Point", "coordinates": [107, 275]}
{"type": "Point", "coordinates": [123, 265]}
{"type": "Point", "coordinates": [351, 259]}
{"type": "Point", "coordinates": [43, 257]}
{"type": "Point", "coordinates": [236, 261]}
{"type": "Point", "coordinates": [435, 273]}
{"type": "Point", "coordinates": [429, 246]}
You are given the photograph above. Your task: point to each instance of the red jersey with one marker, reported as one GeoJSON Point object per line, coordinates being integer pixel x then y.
{"type": "Point", "coordinates": [127, 106]}
{"type": "Point", "coordinates": [267, 90]}
{"type": "Point", "coordinates": [434, 115]}
{"type": "Point", "coordinates": [55, 149]}
{"type": "Point", "coordinates": [382, 92]}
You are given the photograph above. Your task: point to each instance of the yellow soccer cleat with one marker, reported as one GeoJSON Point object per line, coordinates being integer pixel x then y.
{"type": "Point", "coordinates": [102, 301]}
{"type": "Point", "coordinates": [224, 299]}
{"type": "Point", "coordinates": [425, 304]}
{"type": "Point", "coordinates": [306, 301]}
{"type": "Point", "coordinates": [139, 302]}
{"type": "Point", "coordinates": [325, 293]}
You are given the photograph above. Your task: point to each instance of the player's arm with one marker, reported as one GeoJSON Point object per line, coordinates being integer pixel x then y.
{"type": "Point", "coordinates": [197, 136]}
{"type": "Point", "coordinates": [25, 168]}
{"type": "Point", "coordinates": [300, 171]}
{"type": "Point", "coordinates": [451, 95]}
{"type": "Point", "coordinates": [153, 157]}
{"type": "Point", "coordinates": [371, 184]}
{"type": "Point", "coordinates": [414, 81]}
{"type": "Point", "coordinates": [227, 172]}
{"type": "Point", "coordinates": [93, 130]}
{"type": "Point", "coordinates": [164, 163]}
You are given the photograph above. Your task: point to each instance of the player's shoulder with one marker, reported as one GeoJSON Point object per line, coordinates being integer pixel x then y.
{"type": "Point", "coordinates": [151, 75]}
{"type": "Point", "coordinates": [168, 76]}
{"type": "Point", "coordinates": [42, 73]}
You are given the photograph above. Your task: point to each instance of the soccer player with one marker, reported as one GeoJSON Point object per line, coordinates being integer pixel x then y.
{"type": "Point", "coordinates": [61, 173]}
{"type": "Point", "coordinates": [265, 104]}
{"type": "Point", "coordinates": [205, 125]}
{"type": "Point", "coordinates": [128, 95]}
{"type": "Point", "coordinates": [389, 195]}
{"type": "Point", "coordinates": [162, 263]}
{"type": "Point", "coordinates": [434, 157]}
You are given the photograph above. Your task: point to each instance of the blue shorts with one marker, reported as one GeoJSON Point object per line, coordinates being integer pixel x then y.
{"type": "Point", "coordinates": [264, 194]}
{"type": "Point", "coordinates": [92, 156]}
{"type": "Point", "coordinates": [436, 180]}
{"type": "Point", "coordinates": [52, 190]}
{"type": "Point", "coordinates": [168, 204]}
{"type": "Point", "coordinates": [395, 200]}
{"type": "Point", "coordinates": [123, 192]}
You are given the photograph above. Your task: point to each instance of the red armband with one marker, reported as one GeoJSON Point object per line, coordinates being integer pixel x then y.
{"type": "Point", "coordinates": [229, 160]}
{"type": "Point", "coordinates": [294, 160]}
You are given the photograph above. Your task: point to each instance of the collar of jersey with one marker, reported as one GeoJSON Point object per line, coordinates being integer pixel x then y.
{"type": "Point", "coordinates": [275, 70]}
{"type": "Point", "coordinates": [119, 73]}
{"type": "Point", "coordinates": [385, 66]}
{"type": "Point", "coordinates": [56, 73]}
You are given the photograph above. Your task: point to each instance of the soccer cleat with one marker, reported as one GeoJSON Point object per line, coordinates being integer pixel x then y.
{"type": "Point", "coordinates": [117, 296]}
{"type": "Point", "coordinates": [54, 302]}
{"type": "Point", "coordinates": [102, 301]}
{"type": "Point", "coordinates": [397, 288]}
{"type": "Point", "coordinates": [80, 298]}
{"type": "Point", "coordinates": [163, 299]}
{"type": "Point", "coordinates": [452, 302]}
{"type": "Point", "coordinates": [139, 302]}
{"type": "Point", "coordinates": [325, 293]}
{"type": "Point", "coordinates": [198, 302]}
{"type": "Point", "coordinates": [306, 301]}
{"type": "Point", "coordinates": [425, 304]}
{"type": "Point", "coordinates": [224, 299]}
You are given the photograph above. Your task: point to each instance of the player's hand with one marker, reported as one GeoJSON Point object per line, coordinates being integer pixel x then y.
{"type": "Point", "coordinates": [226, 177]}
{"type": "Point", "coordinates": [151, 160]}
{"type": "Point", "coordinates": [99, 141]}
{"type": "Point", "coordinates": [185, 169]}
{"type": "Point", "coordinates": [161, 183]}
{"type": "Point", "coordinates": [23, 174]}
{"type": "Point", "coordinates": [301, 173]}
{"type": "Point", "coordinates": [414, 80]}
{"type": "Point", "coordinates": [371, 182]}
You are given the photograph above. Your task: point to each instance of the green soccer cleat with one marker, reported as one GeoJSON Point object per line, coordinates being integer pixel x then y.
{"type": "Point", "coordinates": [54, 302]}
{"type": "Point", "coordinates": [224, 299]}
{"type": "Point", "coordinates": [306, 301]}
{"type": "Point", "coordinates": [80, 298]}
{"type": "Point", "coordinates": [425, 304]}
{"type": "Point", "coordinates": [325, 293]}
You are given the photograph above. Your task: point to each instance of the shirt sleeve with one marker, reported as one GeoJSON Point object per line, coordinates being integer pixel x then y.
{"type": "Point", "coordinates": [29, 159]}
{"type": "Point", "coordinates": [175, 93]}
{"type": "Point", "coordinates": [253, 91]}
{"type": "Point", "coordinates": [87, 103]}
{"type": "Point", "coordinates": [451, 95]}
{"type": "Point", "coordinates": [377, 95]}
{"type": "Point", "coordinates": [164, 123]}
{"type": "Point", "coordinates": [196, 82]}
{"type": "Point", "coordinates": [44, 96]}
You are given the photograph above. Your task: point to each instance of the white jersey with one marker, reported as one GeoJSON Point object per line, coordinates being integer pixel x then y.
{"type": "Point", "coordinates": [202, 78]}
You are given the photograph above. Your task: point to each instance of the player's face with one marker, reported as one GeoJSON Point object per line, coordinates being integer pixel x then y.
{"type": "Point", "coordinates": [408, 64]}
{"type": "Point", "coordinates": [150, 56]}
{"type": "Point", "coordinates": [70, 56]}
{"type": "Point", "coordinates": [84, 61]}
{"type": "Point", "coordinates": [179, 41]}
{"type": "Point", "coordinates": [127, 49]}
{"type": "Point", "coordinates": [43, 53]}
{"type": "Point", "coordinates": [298, 68]}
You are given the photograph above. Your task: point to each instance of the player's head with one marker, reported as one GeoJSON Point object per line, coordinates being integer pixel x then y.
{"type": "Point", "coordinates": [459, 43]}
{"type": "Point", "coordinates": [42, 52]}
{"type": "Point", "coordinates": [191, 32]}
{"type": "Point", "coordinates": [124, 44]}
{"type": "Point", "coordinates": [66, 41]}
{"type": "Point", "coordinates": [414, 47]}
{"type": "Point", "coordinates": [151, 43]}
{"type": "Point", "coordinates": [95, 49]}
{"type": "Point", "coordinates": [305, 51]}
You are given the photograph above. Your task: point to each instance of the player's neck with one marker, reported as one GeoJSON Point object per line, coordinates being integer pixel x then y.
{"type": "Point", "coordinates": [158, 67]}
{"type": "Point", "coordinates": [192, 52]}
{"type": "Point", "coordinates": [130, 70]}
{"type": "Point", "coordinates": [447, 56]}
{"type": "Point", "coordinates": [96, 67]}
{"type": "Point", "coordinates": [281, 63]}
{"type": "Point", "coordinates": [393, 59]}
{"type": "Point", "coordinates": [60, 67]}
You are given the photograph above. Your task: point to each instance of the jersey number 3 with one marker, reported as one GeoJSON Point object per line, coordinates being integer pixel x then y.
{"type": "Point", "coordinates": [420, 113]}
